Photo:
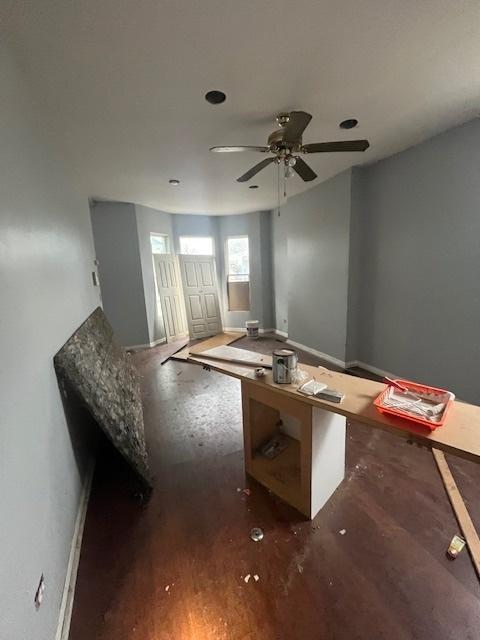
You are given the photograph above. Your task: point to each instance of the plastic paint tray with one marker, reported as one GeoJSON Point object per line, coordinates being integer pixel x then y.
{"type": "Point", "coordinates": [431, 395]}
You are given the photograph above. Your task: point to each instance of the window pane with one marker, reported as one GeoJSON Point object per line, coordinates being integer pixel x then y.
{"type": "Point", "coordinates": [237, 256]}
{"type": "Point", "coordinates": [196, 246]}
{"type": "Point", "coordinates": [159, 244]}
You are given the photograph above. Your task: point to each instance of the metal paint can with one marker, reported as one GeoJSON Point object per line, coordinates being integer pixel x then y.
{"type": "Point", "coordinates": [284, 365]}
{"type": "Point", "coordinates": [252, 328]}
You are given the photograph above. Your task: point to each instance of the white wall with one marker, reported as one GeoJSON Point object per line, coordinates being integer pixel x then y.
{"type": "Point", "coordinates": [46, 291]}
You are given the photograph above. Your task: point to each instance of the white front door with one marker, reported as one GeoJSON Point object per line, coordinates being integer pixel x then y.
{"type": "Point", "coordinates": [170, 293]}
{"type": "Point", "coordinates": [201, 296]}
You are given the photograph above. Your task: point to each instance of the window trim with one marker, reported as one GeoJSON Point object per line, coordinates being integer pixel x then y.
{"type": "Point", "coordinates": [228, 274]}
{"type": "Point", "coordinates": [227, 265]}
{"type": "Point", "coordinates": [168, 243]}
{"type": "Point", "coordinates": [196, 235]}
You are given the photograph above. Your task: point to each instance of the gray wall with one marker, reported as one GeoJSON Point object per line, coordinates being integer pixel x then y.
{"type": "Point", "coordinates": [279, 234]}
{"type": "Point", "coordinates": [46, 291]}
{"type": "Point", "coordinates": [117, 248]}
{"type": "Point", "coordinates": [152, 221]}
{"type": "Point", "coordinates": [122, 241]}
{"type": "Point", "coordinates": [257, 227]}
{"type": "Point", "coordinates": [420, 288]}
{"type": "Point", "coordinates": [311, 266]}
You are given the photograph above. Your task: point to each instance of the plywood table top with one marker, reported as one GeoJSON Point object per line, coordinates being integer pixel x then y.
{"type": "Point", "coordinates": [460, 435]}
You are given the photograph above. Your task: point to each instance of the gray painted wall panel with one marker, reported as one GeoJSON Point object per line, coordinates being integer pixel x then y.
{"type": "Point", "coordinates": [316, 225]}
{"type": "Point", "coordinates": [152, 221]}
{"type": "Point", "coordinates": [46, 292]}
{"type": "Point", "coordinates": [117, 248]}
{"type": "Point", "coordinates": [256, 227]}
{"type": "Point", "coordinates": [420, 290]}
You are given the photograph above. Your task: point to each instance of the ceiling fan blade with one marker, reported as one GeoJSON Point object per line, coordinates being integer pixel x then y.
{"type": "Point", "coordinates": [341, 145]}
{"type": "Point", "coordinates": [234, 149]}
{"type": "Point", "coordinates": [304, 171]}
{"type": "Point", "coordinates": [297, 123]}
{"type": "Point", "coordinates": [254, 170]}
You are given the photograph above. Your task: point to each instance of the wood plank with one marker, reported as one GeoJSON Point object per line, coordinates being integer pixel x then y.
{"type": "Point", "coordinates": [460, 435]}
{"type": "Point", "coordinates": [227, 337]}
{"type": "Point", "coordinates": [233, 355]}
{"type": "Point", "coordinates": [463, 517]}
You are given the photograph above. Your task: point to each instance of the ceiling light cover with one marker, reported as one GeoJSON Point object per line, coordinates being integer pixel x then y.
{"type": "Point", "coordinates": [351, 123]}
{"type": "Point", "coordinates": [174, 182]}
{"type": "Point", "coordinates": [215, 97]}
{"type": "Point", "coordinates": [253, 186]}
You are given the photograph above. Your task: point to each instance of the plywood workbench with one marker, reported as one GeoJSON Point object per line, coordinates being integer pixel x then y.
{"type": "Point", "coordinates": [307, 473]}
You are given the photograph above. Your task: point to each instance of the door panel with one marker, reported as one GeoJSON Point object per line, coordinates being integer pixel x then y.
{"type": "Point", "coordinates": [206, 275]}
{"type": "Point", "coordinates": [171, 298]}
{"type": "Point", "coordinates": [201, 296]}
{"type": "Point", "coordinates": [191, 279]}
{"type": "Point", "coordinates": [195, 303]}
{"type": "Point", "coordinates": [210, 307]}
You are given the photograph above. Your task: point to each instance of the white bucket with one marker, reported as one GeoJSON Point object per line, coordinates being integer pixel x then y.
{"type": "Point", "coordinates": [252, 328]}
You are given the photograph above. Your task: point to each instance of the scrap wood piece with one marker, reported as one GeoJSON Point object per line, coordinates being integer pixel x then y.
{"type": "Point", "coordinates": [463, 517]}
{"type": "Point", "coordinates": [233, 355]}
{"type": "Point", "coordinates": [219, 339]}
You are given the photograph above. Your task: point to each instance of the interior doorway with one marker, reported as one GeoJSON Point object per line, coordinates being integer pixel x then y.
{"type": "Point", "coordinates": [199, 280]}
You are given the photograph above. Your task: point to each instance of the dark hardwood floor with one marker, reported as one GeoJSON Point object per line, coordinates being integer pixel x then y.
{"type": "Point", "coordinates": [175, 568]}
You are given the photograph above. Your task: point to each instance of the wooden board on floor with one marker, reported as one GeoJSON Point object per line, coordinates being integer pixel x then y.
{"type": "Point", "coordinates": [460, 435]}
{"type": "Point", "coordinates": [463, 517]}
{"type": "Point", "coordinates": [232, 355]}
{"type": "Point", "coordinates": [218, 340]}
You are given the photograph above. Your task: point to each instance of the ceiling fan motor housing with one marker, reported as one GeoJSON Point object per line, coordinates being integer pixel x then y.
{"type": "Point", "coordinates": [278, 145]}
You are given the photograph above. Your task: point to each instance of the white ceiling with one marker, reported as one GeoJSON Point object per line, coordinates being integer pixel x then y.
{"type": "Point", "coordinates": [124, 80]}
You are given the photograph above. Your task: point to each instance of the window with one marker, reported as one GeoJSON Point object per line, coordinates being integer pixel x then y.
{"type": "Point", "coordinates": [160, 243]}
{"type": "Point", "coordinates": [196, 245]}
{"type": "Point", "coordinates": [238, 273]}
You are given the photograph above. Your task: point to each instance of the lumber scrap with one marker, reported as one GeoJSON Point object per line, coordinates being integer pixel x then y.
{"type": "Point", "coordinates": [461, 513]}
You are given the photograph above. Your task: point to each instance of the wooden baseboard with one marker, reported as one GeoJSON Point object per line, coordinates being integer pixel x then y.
{"type": "Point", "coordinates": [66, 607]}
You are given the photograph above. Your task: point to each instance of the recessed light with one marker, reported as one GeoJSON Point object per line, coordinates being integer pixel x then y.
{"type": "Point", "coordinates": [253, 186]}
{"type": "Point", "coordinates": [351, 123]}
{"type": "Point", "coordinates": [174, 182]}
{"type": "Point", "coordinates": [215, 97]}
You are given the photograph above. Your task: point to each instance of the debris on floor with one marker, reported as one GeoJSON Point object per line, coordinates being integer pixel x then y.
{"type": "Point", "coordinates": [256, 534]}
{"type": "Point", "coordinates": [256, 577]}
{"type": "Point", "coordinates": [167, 587]}
{"type": "Point", "coordinates": [247, 492]}
{"type": "Point", "coordinates": [342, 532]}
{"type": "Point", "coordinates": [246, 578]}
{"type": "Point", "coordinates": [456, 545]}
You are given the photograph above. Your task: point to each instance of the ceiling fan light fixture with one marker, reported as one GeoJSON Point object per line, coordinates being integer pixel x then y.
{"type": "Point", "coordinates": [289, 172]}
{"type": "Point", "coordinates": [215, 97]}
{"type": "Point", "coordinates": [350, 123]}
{"type": "Point", "coordinates": [174, 182]}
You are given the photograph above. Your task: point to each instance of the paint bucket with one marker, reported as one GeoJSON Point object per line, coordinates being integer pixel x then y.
{"type": "Point", "coordinates": [252, 328]}
{"type": "Point", "coordinates": [284, 365]}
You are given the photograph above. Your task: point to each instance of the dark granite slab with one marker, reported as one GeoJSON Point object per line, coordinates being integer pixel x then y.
{"type": "Point", "coordinates": [100, 372]}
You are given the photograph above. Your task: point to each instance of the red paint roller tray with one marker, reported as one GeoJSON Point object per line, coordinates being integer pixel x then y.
{"type": "Point", "coordinates": [392, 397]}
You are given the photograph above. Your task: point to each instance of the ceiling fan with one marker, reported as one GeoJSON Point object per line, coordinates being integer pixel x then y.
{"type": "Point", "coordinates": [286, 142]}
